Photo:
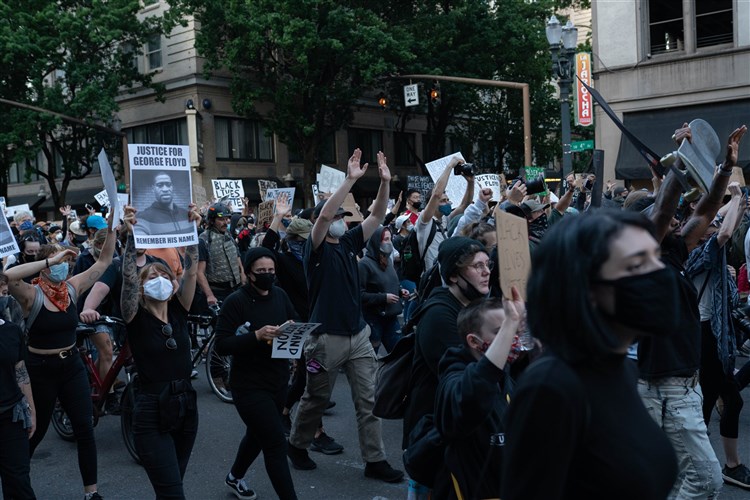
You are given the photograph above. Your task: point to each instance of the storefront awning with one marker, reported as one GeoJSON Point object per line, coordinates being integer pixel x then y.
{"type": "Point", "coordinates": [655, 128]}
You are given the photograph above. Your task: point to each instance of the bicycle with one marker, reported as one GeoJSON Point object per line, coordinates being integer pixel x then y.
{"type": "Point", "coordinates": [202, 329]}
{"type": "Point", "coordinates": [100, 389]}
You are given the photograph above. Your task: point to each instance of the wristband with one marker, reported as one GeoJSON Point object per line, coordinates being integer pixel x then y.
{"type": "Point", "coordinates": [725, 173]}
{"type": "Point", "coordinates": [47, 261]}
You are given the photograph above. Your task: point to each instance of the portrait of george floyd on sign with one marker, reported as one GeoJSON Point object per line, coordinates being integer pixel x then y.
{"type": "Point", "coordinates": [8, 244]}
{"type": "Point", "coordinates": [161, 191]}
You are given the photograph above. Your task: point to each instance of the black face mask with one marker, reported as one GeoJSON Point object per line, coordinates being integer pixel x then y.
{"type": "Point", "coordinates": [264, 281]}
{"type": "Point", "coordinates": [416, 205]}
{"type": "Point", "coordinates": [538, 226]}
{"type": "Point", "coordinates": [469, 291]}
{"type": "Point", "coordinates": [647, 302]}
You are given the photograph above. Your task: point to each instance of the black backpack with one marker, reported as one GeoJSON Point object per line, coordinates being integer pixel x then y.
{"type": "Point", "coordinates": [412, 260]}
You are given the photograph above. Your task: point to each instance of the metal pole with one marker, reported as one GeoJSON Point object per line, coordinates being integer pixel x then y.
{"type": "Point", "coordinates": [567, 159]}
{"type": "Point", "coordinates": [494, 83]}
{"type": "Point", "coordinates": [596, 193]}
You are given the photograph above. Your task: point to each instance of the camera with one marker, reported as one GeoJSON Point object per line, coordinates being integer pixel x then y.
{"type": "Point", "coordinates": [464, 169]}
{"type": "Point", "coordinates": [535, 185]}
{"type": "Point", "coordinates": [588, 184]}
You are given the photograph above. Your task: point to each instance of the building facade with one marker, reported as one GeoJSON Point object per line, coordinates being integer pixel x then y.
{"type": "Point", "coordinates": [660, 63]}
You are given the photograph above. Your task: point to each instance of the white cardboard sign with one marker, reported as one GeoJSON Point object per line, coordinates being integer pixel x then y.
{"type": "Point", "coordinates": [288, 344]}
{"type": "Point", "coordinates": [229, 191]}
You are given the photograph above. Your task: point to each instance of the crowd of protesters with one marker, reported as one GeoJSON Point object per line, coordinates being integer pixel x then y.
{"type": "Point", "coordinates": [602, 375]}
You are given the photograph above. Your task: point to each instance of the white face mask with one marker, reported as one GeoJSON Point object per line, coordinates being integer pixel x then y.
{"type": "Point", "coordinates": [159, 288]}
{"type": "Point", "coordinates": [337, 229]}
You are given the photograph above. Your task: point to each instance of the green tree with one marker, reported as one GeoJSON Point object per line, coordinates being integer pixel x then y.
{"type": "Point", "coordinates": [72, 57]}
{"type": "Point", "coordinates": [309, 59]}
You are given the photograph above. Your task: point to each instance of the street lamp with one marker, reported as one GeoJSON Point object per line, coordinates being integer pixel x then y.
{"type": "Point", "coordinates": [562, 46]}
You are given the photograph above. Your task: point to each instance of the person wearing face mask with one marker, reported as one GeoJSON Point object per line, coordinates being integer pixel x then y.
{"type": "Point", "coordinates": [29, 247]}
{"type": "Point", "coordinates": [465, 270]}
{"type": "Point", "coordinates": [55, 368]}
{"type": "Point", "coordinates": [413, 205]}
{"type": "Point", "coordinates": [249, 320]}
{"type": "Point", "coordinates": [380, 290]}
{"type": "Point", "coordinates": [576, 413]}
{"type": "Point", "coordinates": [155, 308]}
{"type": "Point", "coordinates": [472, 397]}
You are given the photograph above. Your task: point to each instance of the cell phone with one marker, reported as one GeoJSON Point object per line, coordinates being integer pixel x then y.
{"type": "Point", "coordinates": [89, 207]}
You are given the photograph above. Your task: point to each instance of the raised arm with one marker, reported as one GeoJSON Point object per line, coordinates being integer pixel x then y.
{"type": "Point", "coordinates": [567, 198]}
{"type": "Point", "coordinates": [354, 171]}
{"type": "Point", "coordinates": [371, 223]}
{"type": "Point", "coordinates": [280, 209]}
{"type": "Point", "coordinates": [23, 292]}
{"type": "Point", "coordinates": [189, 267]}
{"type": "Point", "coordinates": [86, 279]}
{"type": "Point", "coordinates": [429, 211]}
{"type": "Point", "coordinates": [131, 290]}
{"type": "Point", "coordinates": [735, 210]}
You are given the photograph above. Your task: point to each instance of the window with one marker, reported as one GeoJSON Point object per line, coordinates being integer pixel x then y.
{"type": "Point", "coordinates": [405, 144]}
{"type": "Point", "coordinates": [169, 132]}
{"type": "Point", "coordinates": [665, 26]}
{"type": "Point", "coordinates": [238, 139]}
{"type": "Point", "coordinates": [713, 22]}
{"type": "Point", "coordinates": [326, 153]}
{"type": "Point", "coordinates": [369, 141]}
{"type": "Point", "coordinates": [153, 52]}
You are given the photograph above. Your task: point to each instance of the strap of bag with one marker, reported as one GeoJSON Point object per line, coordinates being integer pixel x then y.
{"type": "Point", "coordinates": [430, 237]}
{"type": "Point", "coordinates": [703, 288]}
{"type": "Point", "coordinates": [36, 306]}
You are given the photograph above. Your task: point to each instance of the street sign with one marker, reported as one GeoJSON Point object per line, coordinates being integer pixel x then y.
{"type": "Point", "coordinates": [581, 145]}
{"type": "Point", "coordinates": [411, 95]}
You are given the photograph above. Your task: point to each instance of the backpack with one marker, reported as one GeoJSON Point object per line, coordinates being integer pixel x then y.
{"type": "Point", "coordinates": [428, 282]}
{"type": "Point", "coordinates": [412, 260]}
{"type": "Point", "coordinates": [36, 306]}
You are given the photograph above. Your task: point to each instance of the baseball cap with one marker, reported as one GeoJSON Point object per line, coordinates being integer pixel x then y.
{"type": "Point", "coordinates": [76, 229]}
{"type": "Point", "coordinates": [96, 222]}
{"type": "Point", "coordinates": [400, 220]}
{"type": "Point", "coordinates": [340, 211]}
{"type": "Point", "coordinates": [531, 206]}
{"type": "Point", "coordinates": [299, 227]}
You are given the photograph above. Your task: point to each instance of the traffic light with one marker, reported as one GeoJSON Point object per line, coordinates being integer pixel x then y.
{"type": "Point", "coordinates": [435, 93]}
{"type": "Point", "coordinates": [382, 100]}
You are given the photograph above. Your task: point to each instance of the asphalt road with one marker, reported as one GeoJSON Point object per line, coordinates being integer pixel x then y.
{"type": "Point", "coordinates": [55, 472]}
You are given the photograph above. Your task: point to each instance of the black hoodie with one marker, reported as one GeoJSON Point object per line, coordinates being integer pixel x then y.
{"type": "Point", "coordinates": [375, 282]}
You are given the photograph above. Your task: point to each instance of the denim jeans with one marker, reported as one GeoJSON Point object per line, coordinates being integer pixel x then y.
{"type": "Point", "coordinates": [356, 355]}
{"type": "Point", "coordinates": [677, 409]}
{"type": "Point", "coordinates": [384, 330]}
{"type": "Point", "coordinates": [164, 455]}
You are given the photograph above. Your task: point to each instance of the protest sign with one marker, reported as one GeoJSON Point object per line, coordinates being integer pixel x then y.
{"type": "Point", "coordinates": [272, 194]}
{"type": "Point", "coordinates": [263, 186]}
{"type": "Point", "coordinates": [161, 190]}
{"type": "Point", "coordinates": [11, 210]}
{"type": "Point", "coordinates": [351, 206]}
{"type": "Point", "coordinates": [265, 212]}
{"type": "Point", "coordinates": [456, 183]}
{"type": "Point", "coordinates": [101, 198]}
{"type": "Point", "coordinates": [288, 344]}
{"type": "Point", "coordinates": [229, 191]}
{"type": "Point", "coordinates": [110, 185]}
{"type": "Point", "coordinates": [8, 244]}
{"type": "Point", "coordinates": [512, 252]}
{"type": "Point", "coordinates": [422, 183]}
{"type": "Point", "coordinates": [2, 203]}
{"type": "Point", "coordinates": [532, 173]}
{"type": "Point", "coordinates": [329, 179]}
{"type": "Point", "coordinates": [491, 181]}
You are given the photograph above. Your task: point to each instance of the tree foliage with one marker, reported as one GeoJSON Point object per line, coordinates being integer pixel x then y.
{"type": "Point", "coordinates": [72, 57]}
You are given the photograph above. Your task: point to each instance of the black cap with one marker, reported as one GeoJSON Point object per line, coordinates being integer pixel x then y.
{"type": "Point", "coordinates": [256, 253]}
{"type": "Point", "coordinates": [340, 211]}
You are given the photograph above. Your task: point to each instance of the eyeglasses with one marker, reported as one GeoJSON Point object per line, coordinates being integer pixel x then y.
{"type": "Point", "coordinates": [164, 184]}
{"type": "Point", "coordinates": [482, 266]}
{"type": "Point", "coordinates": [171, 343]}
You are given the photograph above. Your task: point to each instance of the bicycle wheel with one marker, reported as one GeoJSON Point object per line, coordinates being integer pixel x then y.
{"type": "Point", "coordinates": [127, 402]}
{"type": "Point", "coordinates": [217, 372]}
{"type": "Point", "coordinates": [61, 423]}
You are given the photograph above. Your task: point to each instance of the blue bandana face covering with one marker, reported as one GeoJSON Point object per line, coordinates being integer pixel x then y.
{"type": "Point", "coordinates": [445, 209]}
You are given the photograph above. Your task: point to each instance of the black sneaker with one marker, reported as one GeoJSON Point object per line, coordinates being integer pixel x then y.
{"type": "Point", "coordinates": [93, 496]}
{"type": "Point", "coordinates": [300, 458]}
{"type": "Point", "coordinates": [325, 444]}
{"type": "Point", "coordinates": [286, 423]}
{"type": "Point", "coordinates": [240, 489]}
{"type": "Point", "coordinates": [382, 470]}
{"type": "Point", "coordinates": [112, 404]}
{"type": "Point", "coordinates": [330, 405]}
{"type": "Point", "coordinates": [737, 476]}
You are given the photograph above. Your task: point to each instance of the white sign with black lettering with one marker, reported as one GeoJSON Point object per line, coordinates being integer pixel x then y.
{"type": "Point", "coordinates": [229, 191]}
{"type": "Point", "coordinates": [411, 95]}
{"type": "Point", "coordinates": [8, 244]}
{"type": "Point", "coordinates": [288, 344]}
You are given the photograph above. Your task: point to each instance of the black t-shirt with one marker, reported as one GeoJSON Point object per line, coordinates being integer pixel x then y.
{"type": "Point", "coordinates": [155, 362]}
{"type": "Point", "coordinates": [54, 329]}
{"type": "Point", "coordinates": [333, 283]}
{"type": "Point", "coordinates": [674, 355]}
{"type": "Point", "coordinates": [11, 352]}
{"type": "Point", "coordinates": [588, 430]}
{"type": "Point", "coordinates": [252, 365]}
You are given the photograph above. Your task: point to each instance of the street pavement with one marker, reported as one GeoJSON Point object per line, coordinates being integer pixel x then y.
{"type": "Point", "coordinates": [55, 474]}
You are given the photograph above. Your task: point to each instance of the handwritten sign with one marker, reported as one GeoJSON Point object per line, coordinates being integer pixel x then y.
{"type": "Point", "coordinates": [265, 212]}
{"type": "Point", "coordinates": [272, 194]}
{"type": "Point", "coordinates": [101, 198]}
{"type": "Point", "coordinates": [288, 344]}
{"type": "Point", "coordinates": [512, 252]}
{"type": "Point", "coordinates": [351, 206]}
{"type": "Point", "coordinates": [491, 181]}
{"type": "Point", "coordinates": [422, 183]}
{"type": "Point", "coordinates": [263, 186]}
{"type": "Point", "coordinates": [456, 183]}
{"type": "Point", "coordinates": [329, 179]}
{"type": "Point", "coordinates": [230, 191]}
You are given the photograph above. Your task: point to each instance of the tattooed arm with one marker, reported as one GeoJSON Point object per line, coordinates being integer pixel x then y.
{"type": "Point", "coordinates": [86, 279]}
{"type": "Point", "coordinates": [131, 289]}
{"type": "Point", "coordinates": [22, 378]}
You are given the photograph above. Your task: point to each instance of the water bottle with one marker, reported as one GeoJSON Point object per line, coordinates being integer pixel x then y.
{"type": "Point", "coordinates": [243, 329]}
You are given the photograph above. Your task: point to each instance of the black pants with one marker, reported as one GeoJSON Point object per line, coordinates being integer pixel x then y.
{"type": "Point", "coordinates": [715, 383]}
{"type": "Point", "coordinates": [14, 459]}
{"type": "Point", "coordinates": [163, 454]}
{"type": "Point", "coordinates": [261, 412]}
{"type": "Point", "coordinates": [65, 379]}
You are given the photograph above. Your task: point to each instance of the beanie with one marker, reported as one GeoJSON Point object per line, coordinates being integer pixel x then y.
{"type": "Point", "coordinates": [256, 253]}
{"type": "Point", "coordinates": [452, 250]}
